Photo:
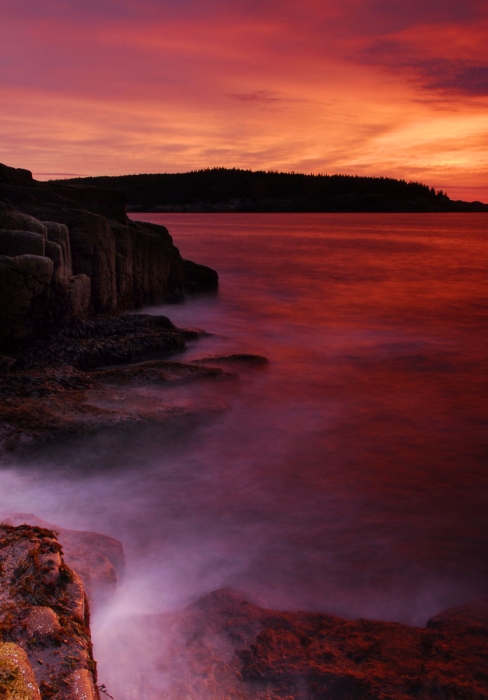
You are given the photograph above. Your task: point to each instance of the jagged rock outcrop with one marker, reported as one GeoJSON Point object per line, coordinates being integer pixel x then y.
{"type": "Point", "coordinates": [45, 642]}
{"type": "Point", "coordinates": [93, 258]}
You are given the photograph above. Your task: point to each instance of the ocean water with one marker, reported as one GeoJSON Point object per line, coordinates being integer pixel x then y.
{"type": "Point", "coordinates": [352, 473]}
{"type": "Point", "coordinates": [349, 475]}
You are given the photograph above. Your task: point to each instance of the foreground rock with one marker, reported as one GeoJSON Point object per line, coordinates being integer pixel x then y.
{"type": "Point", "coordinates": [98, 560]}
{"type": "Point", "coordinates": [224, 647]}
{"type": "Point", "coordinates": [45, 648]}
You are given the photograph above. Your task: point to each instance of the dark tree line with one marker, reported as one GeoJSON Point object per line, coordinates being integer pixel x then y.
{"type": "Point", "coordinates": [223, 189]}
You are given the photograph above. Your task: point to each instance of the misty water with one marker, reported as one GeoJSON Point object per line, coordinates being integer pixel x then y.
{"type": "Point", "coordinates": [349, 475]}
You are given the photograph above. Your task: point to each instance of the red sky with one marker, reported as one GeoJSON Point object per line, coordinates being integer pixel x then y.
{"type": "Point", "coordinates": [380, 87]}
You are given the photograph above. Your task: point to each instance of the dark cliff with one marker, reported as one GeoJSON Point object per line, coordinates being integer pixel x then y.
{"type": "Point", "coordinates": [68, 251]}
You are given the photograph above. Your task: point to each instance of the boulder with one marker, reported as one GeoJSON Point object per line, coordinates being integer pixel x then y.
{"type": "Point", "coordinates": [15, 243]}
{"type": "Point", "coordinates": [23, 282]}
{"type": "Point", "coordinates": [99, 560]}
{"type": "Point", "coordinates": [17, 221]}
{"type": "Point", "coordinates": [15, 176]}
{"type": "Point", "coordinates": [93, 254]}
{"type": "Point", "coordinates": [44, 611]}
{"type": "Point", "coordinates": [199, 278]}
{"type": "Point", "coordinates": [148, 266]}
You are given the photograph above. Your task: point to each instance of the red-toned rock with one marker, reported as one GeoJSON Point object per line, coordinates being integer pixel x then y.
{"type": "Point", "coordinates": [225, 647]}
{"type": "Point", "coordinates": [98, 559]}
{"type": "Point", "coordinates": [44, 617]}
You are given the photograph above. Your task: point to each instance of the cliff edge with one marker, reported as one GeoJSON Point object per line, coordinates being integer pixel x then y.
{"type": "Point", "coordinates": [69, 252]}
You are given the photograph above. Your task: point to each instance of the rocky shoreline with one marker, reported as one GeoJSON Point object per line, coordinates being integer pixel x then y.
{"type": "Point", "coordinates": [72, 364]}
{"type": "Point", "coordinates": [220, 646]}
{"type": "Point", "coordinates": [62, 259]}
{"type": "Point", "coordinates": [71, 264]}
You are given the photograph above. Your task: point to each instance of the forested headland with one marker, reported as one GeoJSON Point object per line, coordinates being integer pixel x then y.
{"type": "Point", "coordinates": [236, 190]}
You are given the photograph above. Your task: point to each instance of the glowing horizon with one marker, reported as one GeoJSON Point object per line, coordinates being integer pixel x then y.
{"type": "Point", "coordinates": [358, 87]}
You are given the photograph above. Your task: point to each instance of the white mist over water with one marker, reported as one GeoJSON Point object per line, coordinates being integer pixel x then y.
{"type": "Point", "coordinates": [348, 476]}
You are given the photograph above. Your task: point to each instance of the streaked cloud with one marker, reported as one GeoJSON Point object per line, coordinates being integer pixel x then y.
{"type": "Point", "coordinates": [377, 87]}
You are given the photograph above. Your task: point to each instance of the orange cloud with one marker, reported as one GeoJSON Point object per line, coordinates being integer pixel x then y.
{"type": "Point", "coordinates": [369, 87]}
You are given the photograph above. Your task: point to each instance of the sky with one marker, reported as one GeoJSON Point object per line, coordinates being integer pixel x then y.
{"type": "Point", "coordinates": [370, 87]}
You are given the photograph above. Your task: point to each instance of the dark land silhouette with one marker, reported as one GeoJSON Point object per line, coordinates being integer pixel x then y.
{"type": "Point", "coordinates": [235, 190]}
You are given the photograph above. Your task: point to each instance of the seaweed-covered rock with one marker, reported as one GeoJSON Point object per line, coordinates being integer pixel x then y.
{"type": "Point", "coordinates": [44, 611]}
{"type": "Point", "coordinates": [99, 560]}
{"type": "Point", "coordinates": [106, 340]}
{"type": "Point", "coordinates": [17, 680]}
{"type": "Point", "coordinates": [67, 384]}
{"type": "Point", "coordinates": [222, 646]}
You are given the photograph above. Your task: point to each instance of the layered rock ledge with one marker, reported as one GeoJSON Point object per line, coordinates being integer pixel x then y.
{"type": "Point", "coordinates": [71, 264]}
{"type": "Point", "coordinates": [69, 252]}
{"type": "Point", "coordinates": [69, 384]}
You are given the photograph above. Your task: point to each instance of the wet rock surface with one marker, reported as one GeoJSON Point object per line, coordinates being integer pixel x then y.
{"type": "Point", "coordinates": [44, 620]}
{"type": "Point", "coordinates": [222, 646]}
{"type": "Point", "coordinates": [98, 560]}
{"type": "Point", "coordinates": [104, 340]}
{"type": "Point", "coordinates": [69, 383]}
{"type": "Point", "coordinates": [50, 406]}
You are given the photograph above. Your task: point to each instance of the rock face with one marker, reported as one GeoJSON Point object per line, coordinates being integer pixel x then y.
{"type": "Point", "coordinates": [24, 290]}
{"type": "Point", "coordinates": [17, 680]}
{"type": "Point", "coordinates": [98, 560]}
{"type": "Point", "coordinates": [45, 648]}
{"type": "Point", "coordinates": [224, 647]}
{"type": "Point", "coordinates": [199, 278]}
{"type": "Point", "coordinates": [94, 259]}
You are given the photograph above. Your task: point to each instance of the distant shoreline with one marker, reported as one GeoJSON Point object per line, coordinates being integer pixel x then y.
{"type": "Point", "coordinates": [179, 210]}
{"type": "Point", "coordinates": [223, 190]}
